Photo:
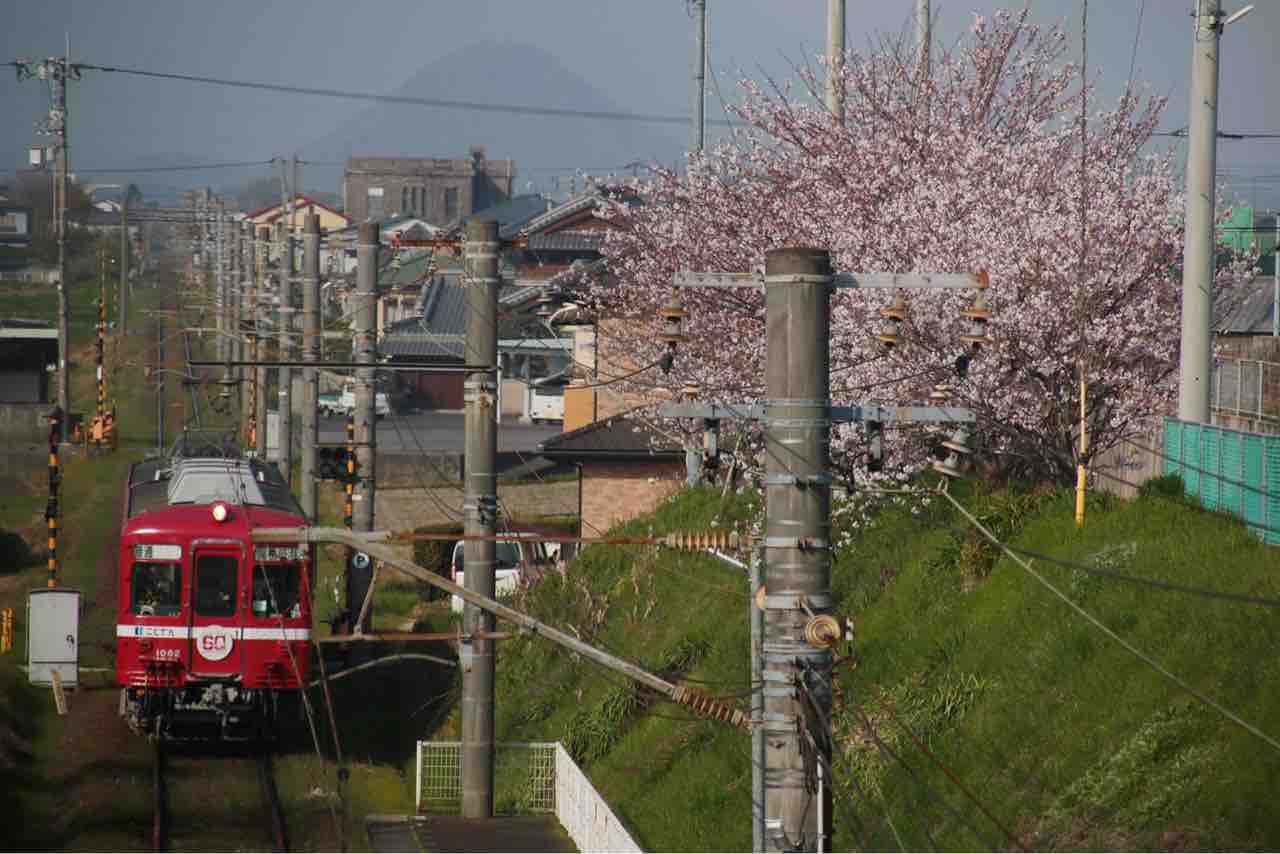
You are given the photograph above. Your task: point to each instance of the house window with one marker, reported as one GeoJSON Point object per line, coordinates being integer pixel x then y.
{"type": "Point", "coordinates": [450, 203]}
{"type": "Point", "coordinates": [404, 199]}
{"type": "Point", "coordinates": [375, 208]}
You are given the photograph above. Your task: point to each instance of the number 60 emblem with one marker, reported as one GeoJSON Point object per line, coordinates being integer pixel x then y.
{"type": "Point", "coordinates": [214, 642]}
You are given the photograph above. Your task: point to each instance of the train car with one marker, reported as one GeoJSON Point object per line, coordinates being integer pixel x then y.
{"type": "Point", "coordinates": [212, 629]}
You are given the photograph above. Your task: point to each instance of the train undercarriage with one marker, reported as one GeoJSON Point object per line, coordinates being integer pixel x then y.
{"type": "Point", "coordinates": [202, 711]}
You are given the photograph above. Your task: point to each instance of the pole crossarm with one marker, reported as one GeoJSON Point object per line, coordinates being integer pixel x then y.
{"type": "Point", "coordinates": [251, 363]}
{"type": "Point", "coordinates": [840, 281]}
{"type": "Point", "coordinates": [370, 544]}
{"type": "Point", "coordinates": [854, 412]}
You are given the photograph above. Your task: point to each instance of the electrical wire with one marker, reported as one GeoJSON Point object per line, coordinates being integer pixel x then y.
{"type": "Point", "coordinates": [1139, 654]}
{"type": "Point", "coordinates": [477, 106]}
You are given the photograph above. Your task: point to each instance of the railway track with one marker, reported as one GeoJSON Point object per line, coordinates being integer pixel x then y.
{"type": "Point", "coordinates": [272, 821]}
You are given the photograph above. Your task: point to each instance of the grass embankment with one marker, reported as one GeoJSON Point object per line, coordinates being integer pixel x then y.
{"type": "Point", "coordinates": [1069, 740]}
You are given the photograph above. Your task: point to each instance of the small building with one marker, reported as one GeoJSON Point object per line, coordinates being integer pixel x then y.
{"type": "Point", "coordinates": [28, 359]}
{"type": "Point", "coordinates": [15, 225]}
{"type": "Point", "coordinates": [330, 219]}
{"type": "Point", "coordinates": [625, 468]}
{"type": "Point", "coordinates": [440, 190]}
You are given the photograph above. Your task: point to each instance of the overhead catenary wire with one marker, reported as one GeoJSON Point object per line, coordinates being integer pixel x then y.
{"type": "Point", "coordinates": [1139, 654]}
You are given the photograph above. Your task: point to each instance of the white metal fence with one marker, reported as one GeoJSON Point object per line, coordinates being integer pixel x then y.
{"type": "Point", "coordinates": [1242, 386]}
{"type": "Point", "coordinates": [530, 777]}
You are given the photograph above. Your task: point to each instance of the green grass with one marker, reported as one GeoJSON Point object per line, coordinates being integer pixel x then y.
{"type": "Point", "coordinates": [1068, 739]}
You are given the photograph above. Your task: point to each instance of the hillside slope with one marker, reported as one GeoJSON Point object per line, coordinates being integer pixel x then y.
{"type": "Point", "coordinates": [1067, 740]}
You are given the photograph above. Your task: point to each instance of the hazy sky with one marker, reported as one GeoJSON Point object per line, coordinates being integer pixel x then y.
{"type": "Point", "coordinates": [637, 53]}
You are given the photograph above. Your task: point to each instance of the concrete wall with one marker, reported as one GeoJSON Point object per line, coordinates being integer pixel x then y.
{"type": "Point", "coordinates": [24, 422]}
{"type": "Point", "coordinates": [1129, 462]}
{"type": "Point", "coordinates": [617, 492]}
{"type": "Point", "coordinates": [583, 813]}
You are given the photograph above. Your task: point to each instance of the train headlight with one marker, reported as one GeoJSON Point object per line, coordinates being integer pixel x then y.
{"type": "Point", "coordinates": [219, 512]}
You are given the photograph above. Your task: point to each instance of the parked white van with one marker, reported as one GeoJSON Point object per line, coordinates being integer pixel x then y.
{"type": "Point", "coordinates": [513, 561]}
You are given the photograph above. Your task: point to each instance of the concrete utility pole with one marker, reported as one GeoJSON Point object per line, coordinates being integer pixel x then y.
{"type": "Point", "coordinates": [366, 342]}
{"type": "Point", "coordinates": [835, 59]}
{"type": "Point", "coordinates": [244, 328]}
{"type": "Point", "coordinates": [480, 507]}
{"type": "Point", "coordinates": [310, 353]}
{"type": "Point", "coordinates": [219, 286]}
{"type": "Point", "coordinates": [260, 374]}
{"type": "Point", "coordinates": [57, 70]}
{"type": "Point", "coordinates": [699, 74]}
{"type": "Point", "coordinates": [286, 331]}
{"type": "Point", "coordinates": [231, 346]}
{"type": "Point", "coordinates": [923, 36]}
{"type": "Point", "coordinates": [797, 532]}
{"type": "Point", "coordinates": [1198, 255]}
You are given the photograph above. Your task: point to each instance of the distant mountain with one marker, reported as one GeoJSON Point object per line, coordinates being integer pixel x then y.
{"type": "Point", "coordinates": [499, 73]}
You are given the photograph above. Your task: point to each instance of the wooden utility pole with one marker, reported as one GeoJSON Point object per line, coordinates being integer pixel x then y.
{"type": "Point", "coordinates": [480, 508]}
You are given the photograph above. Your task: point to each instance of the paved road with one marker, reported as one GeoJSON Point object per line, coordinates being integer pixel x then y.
{"type": "Point", "coordinates": [437, 431]}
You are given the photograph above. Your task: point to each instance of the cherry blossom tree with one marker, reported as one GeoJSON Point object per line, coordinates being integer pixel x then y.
{"type": "Point", "coordinates": [983, 165]}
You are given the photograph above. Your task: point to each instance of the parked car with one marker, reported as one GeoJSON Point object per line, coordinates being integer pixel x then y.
{"type": "Point", "coordinates": [345, 403]}
{"type": "Point", "coordinates": [516, 562]}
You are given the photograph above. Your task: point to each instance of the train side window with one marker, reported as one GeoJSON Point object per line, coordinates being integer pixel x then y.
{"type": "Point", "coordinates": [275, 591]}
{"type": "Point", "coordinates": [215, 586]}
{"type": "Point", "coordinates": [157, 589]}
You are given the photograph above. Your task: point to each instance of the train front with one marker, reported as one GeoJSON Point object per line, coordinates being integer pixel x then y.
{"type": "Point", "coordinates": [213, 629]}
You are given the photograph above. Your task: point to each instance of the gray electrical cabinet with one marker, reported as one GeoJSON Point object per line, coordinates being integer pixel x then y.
{"type": "Point", "coordinates": [53, 636]}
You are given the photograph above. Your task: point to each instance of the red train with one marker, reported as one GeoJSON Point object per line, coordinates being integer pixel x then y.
{"type": "Point", "coordinates": [212, 629]}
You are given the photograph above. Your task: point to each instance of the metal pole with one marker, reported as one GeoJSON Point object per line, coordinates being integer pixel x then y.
{"type": "Point", "coordinates": [835, 59]}
{"type": "Point", "coordinates": [480, 507]}
{"type": "Point", "coordinates": [284, 375]}
{"type": "Point", "coordinates": [162, 401]}
{"type": "Point", "coordinates": [757, 707]}
{"type": "Point", "coordinates": [310, 353]}
{"type": "Point", "coordinates": [1275, 272]}
{"type": "Point", "coordinates": [1198, 255]}
{"type": "Point", "coordinates": [260, 373]}
{"type": "Point", "coordinates": [797, 533]}
{"type": "Point", "coordinates": [122, 322]}
{"type": "Point", "coordinates": [924, 35]}
{"type": "Point", "coordinates": [699, 74]}
{"type": "Point", "coordinates": [366, 298]}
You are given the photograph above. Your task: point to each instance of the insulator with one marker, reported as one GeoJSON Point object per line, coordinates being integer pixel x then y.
{"type": "Point", "coordinates": [896, 310]}
{"type": "Point", "coordinates": [691, 391]}
{"type": "Point", "coordinates": [979, 315]}
{"type": "Point", "coordinates": [708, 707]}
{"type": "Point", "coordinates": [940, 394]}
{"type": "Point", "coordinates": [958, 442]}
{"type": "Point", "coordinates": [673, 315]}
{"type": "Point", "coordinates": [889, 336]}
{"type": "Point", "coordinates": [696, 541]}
{"type": "Point", "coordinates": [822, 632]}
{"type": "Point", "coordinates": [949, 467]}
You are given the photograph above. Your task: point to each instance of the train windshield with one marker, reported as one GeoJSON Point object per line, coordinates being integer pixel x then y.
{"type": "Point", "coordinates": [157, 589]}
{"type": "Point", "coordinates": [216, 586]}
{"type": "Point", "coordinates": [275, 591]}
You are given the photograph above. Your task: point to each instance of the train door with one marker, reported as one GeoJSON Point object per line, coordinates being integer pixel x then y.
{"type": "Point", "coordinates": [216, 643]}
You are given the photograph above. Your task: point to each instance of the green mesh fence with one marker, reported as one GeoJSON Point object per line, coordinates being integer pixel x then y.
{"type": "Point", "coordinates": [1228, 470]}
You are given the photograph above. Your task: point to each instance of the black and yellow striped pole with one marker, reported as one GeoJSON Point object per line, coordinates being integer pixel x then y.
{"type": "Point", "coordinates": [51, 509]}
{"type": "Point", "coordinates": [348, 509]}
{"type": "Point", "coordinates": [101, 348]}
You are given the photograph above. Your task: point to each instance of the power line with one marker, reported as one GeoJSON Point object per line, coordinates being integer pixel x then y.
{"type": "Point", "coordinates": [1139, 654]}
{"type": "Point", "coordinates": [191, 167]}
{"type": "Point", "coordinates": [453, 104]}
